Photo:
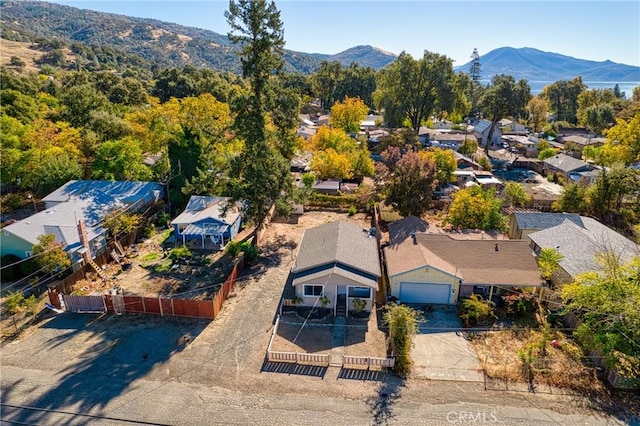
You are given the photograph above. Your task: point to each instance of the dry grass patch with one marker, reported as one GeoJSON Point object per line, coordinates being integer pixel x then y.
{"type": "Point", "coordinates": [532, 357]}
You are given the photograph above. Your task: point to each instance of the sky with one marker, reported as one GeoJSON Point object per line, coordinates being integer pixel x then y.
{"type": "Point", "coordinates": [593, 30]}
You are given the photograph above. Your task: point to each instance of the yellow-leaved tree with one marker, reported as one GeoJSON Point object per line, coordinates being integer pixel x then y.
{"type": "Point", "coordinates": [347, 115]}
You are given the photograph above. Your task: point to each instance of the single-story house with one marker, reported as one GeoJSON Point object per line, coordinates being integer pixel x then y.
{"type": "Point", "coordinates": [437, 269]}
{"type": "Point", "coordinates": [86, 201]}
{"type": "Point", "coordinates": [521, 224]}
{"type": "Point", "coordinates": [481, 132]}
{"type": "Point", "coordinates": [579, 244]}
{"type": "Point", "coordinates": [338, 260]}
{"type": "Point", "coordinates": [579, 142]}
{"type": "Point", "coordinates": [570, 168]}
{"type": "Point", "coordinates": [510, 126]}
{"type": "Point", "coordinates": [204, 224]}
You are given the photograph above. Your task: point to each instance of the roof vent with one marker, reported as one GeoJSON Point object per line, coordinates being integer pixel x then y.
{"type": "Point", "coordinates": [497, 248]}
{"type": "Point", "coordinates": [413, 236]}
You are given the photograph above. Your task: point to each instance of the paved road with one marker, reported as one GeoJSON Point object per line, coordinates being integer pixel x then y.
{"type": "Point", "coordinates": [136, 369]}
{"type": "Point", "coordinates": [176, 403]}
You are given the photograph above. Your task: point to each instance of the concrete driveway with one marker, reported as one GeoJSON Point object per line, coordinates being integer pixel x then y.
{"type": "Point", "coordinates": [440, 352]}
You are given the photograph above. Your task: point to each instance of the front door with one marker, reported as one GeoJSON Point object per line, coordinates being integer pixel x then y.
{"type": "Point", "coordinates": [341, 301]}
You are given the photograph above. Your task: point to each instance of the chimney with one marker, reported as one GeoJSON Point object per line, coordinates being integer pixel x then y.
{"type": "Point", "coordinates": [84, 239]}
{"type": "Point", "coordinates": [497, 249]}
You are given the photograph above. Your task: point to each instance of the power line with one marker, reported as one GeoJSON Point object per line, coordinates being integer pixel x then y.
{"type": "Point", "coordinates": [71, 413]}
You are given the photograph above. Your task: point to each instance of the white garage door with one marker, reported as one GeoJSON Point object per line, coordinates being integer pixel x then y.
{"type": "Point", "coordinates": [425, 293]}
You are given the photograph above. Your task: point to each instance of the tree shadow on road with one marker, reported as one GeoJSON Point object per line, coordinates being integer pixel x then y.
{"type": "Point", "coordinates": [381, 405]}
{"type": "Point", "coordinates": [106, 354]}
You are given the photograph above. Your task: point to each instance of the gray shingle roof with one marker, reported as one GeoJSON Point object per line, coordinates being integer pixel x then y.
{"type": "Point", "coordinates": [566, 163]}
{"type": "Point", "coordinates": [579, 245]}
{"type": "Point", "coordinates": [530, 220]}
{"type": "Point", "coordinates": [338, 242]}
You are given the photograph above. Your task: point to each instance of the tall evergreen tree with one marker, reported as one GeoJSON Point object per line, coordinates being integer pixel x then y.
{"type": "Point", "coordinates": [261, 172]}
{"type": "Point", "coordinates": [474, 74]}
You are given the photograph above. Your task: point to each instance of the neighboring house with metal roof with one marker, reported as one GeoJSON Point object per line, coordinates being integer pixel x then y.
{"type": "Point", "coordinates": [571, 168]}
{"type": "Point", "coordinates": [87, 201]}
{"type": "Point", "coordinates": [437, 269]}
{"type": "Point", "coordinates": [481, 132]}
{"type": "Point", "coordinates": [338, 260]}
{"type": "Point", "coordinates": [208, 223]}
{"type": "Point", "coordinates": [521, 224]}
{"type": "Point", "coordinates": [580, 246]}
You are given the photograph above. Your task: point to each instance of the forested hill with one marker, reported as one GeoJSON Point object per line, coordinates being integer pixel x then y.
{"type": "Point", "coordinates": [137, 40]}
{"type": "Point", "coordinates": [536, 65]}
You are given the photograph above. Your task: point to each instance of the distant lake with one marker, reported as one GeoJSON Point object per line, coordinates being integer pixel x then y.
{"type": "Point", "coordinates": [626, 87]}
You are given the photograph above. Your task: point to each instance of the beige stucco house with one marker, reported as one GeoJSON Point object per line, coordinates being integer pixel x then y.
{"type": "Point", "coordinates": [438, 269]}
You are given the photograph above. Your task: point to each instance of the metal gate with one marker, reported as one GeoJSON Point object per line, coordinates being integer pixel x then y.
{"type": "Point", "coordinates": [82, 304]}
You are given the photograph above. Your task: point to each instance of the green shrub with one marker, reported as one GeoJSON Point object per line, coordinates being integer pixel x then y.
{"type": "Point", "coordinates": [163, 219]}
{"type": "Point", "coordinates": [352, 210]}
{"type": "Point", "coordinates": [477, 310]}
{"type": "Point", "coordinates": [358, 305]}
{"type": "Point", "coordinates": [31, 304]}
{"type": "Point", "coordinates": [13, 302]}
{"type": "Point", "coordinates": [233, 248]}
{"type": "Point", "coordinates": [162, 267]}
{"type": "Point", "coordinates": [179, 253]}
{"type": "Point", "coordinates": [250, 251]}
{"type": "Point", "coordinates": [149, 231]}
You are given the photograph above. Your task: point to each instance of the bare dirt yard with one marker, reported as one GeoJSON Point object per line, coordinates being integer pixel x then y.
{"type": "Point", "coordinates": [152, 273]}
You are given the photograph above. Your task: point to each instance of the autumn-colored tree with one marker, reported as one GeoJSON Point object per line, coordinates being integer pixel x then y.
{"type": "Point", "coordinates": [475, 208]}
{"type": "Point", "coordinates": [329, 164]}
{"type": "Point", "coordinates": [444, 161]}
{"type": "Point", "coordinates": [537, 109]}
{"type": "Point", "coordinates": [334, 138]}
{"type": "Point", "coordinates": [348, 114]}
{"type": "Point", "coordinates": [623, 142]}
{"type": "Point", "coordinates": [49, 255]}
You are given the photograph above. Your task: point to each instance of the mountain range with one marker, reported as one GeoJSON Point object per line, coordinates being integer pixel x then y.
{"type": "Point", "coordinates": [118, 41]}
{"type": "Point", "coordinates": [535, 65]}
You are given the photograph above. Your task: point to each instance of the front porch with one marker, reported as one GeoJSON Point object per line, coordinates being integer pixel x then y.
{"type": "Point", "coordinates": [205, 236]}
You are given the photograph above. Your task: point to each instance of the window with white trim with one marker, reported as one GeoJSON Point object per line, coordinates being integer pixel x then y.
{"type": "Point", "coordinates": [28, 253]}
{"type": "Point", "coordinates": [360, 292]}
{"type": "Point", "coordinates": [313, 290]}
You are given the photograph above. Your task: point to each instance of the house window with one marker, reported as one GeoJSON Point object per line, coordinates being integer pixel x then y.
{"type": "Point", "coordinates": [361, 292]}
{"type": "Point", "coordinates": [313, 290]}
{"type": "Point", "coordinates": [5, 233]}
{"type": "Point", "coordinates": [28, 253]}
